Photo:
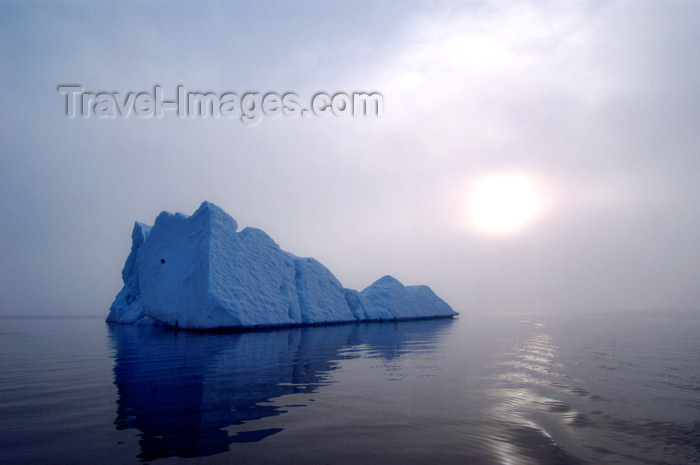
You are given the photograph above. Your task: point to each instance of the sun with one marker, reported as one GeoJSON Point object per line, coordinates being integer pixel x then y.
{"type": "Point", "coordinates": [504, 204]}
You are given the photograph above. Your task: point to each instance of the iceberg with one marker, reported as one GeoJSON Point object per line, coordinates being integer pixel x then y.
{"type": "Point", "coordinates": [198, 272]}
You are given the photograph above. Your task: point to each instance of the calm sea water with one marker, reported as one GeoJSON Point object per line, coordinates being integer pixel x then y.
{"type": "Point", "coordinates": [473, 390]}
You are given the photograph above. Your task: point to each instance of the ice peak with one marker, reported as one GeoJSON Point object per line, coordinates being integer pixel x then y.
{"type": "Point", "coordinates": [215, 213]}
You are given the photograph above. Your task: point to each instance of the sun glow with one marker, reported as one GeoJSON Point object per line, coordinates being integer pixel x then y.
{"type": "Point", "coordinates": [504, 204]}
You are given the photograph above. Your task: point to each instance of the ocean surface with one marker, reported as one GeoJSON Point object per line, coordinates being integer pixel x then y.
{"type": "Point", "coordinates": [507, 389]}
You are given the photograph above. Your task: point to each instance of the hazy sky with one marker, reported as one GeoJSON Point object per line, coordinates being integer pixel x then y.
{"type": "Point", "coordinates": [577, 122]}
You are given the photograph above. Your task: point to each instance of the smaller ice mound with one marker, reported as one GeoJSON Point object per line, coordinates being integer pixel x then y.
{"type": "Point", "coordinates": [199, 272]}
{"type": "Point", "coordinates": [388, 299]}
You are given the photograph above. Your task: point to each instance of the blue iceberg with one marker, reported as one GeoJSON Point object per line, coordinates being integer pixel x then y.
{"type": "Point", "coordinates": [199, 272]}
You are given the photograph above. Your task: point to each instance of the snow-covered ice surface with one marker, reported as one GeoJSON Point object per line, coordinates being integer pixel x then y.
{"type": "Point", "coordinates": [198, 272]}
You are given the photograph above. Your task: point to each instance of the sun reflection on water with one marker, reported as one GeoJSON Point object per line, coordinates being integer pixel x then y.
{"type": "Point", "coordinates": [536, 421]}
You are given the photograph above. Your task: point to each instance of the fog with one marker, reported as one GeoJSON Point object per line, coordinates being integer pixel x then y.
{"type": "Point", "coordinates": [594, 105]}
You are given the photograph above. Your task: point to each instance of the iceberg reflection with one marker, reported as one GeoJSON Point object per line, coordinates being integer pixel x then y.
{"type": "Point", "coordinates": [185, 391]}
